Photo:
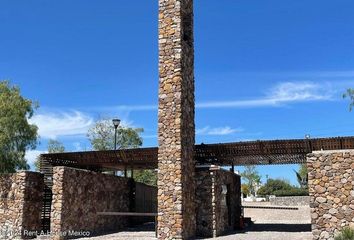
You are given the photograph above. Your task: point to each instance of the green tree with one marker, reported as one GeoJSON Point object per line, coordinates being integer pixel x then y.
{"type": "Point", "coordinates": [273, 185]}
{"type": "Point", "coordinates": [301, 176]}
{"type": "Point", "coordinates": [350, 94]}
{"type": "Point", "coordinates": [16, 134]}
{"type": "Point", "coordinates": [252, 178]}
{"type": "Point", "coordinates": [101, 136]}
{"type": "Point", "coordinates": [148, 177]}
{"type": "Point", "coordinates": [245, 189]}
{"type": "Point", "coordinates": [54, 146]}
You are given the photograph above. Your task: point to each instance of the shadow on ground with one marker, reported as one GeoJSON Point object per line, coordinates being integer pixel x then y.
{"type": "Point", "coordinates": [276, 227]}
{"type": "Point", "coordinates": [147, 227]}
{"type": "Point", "coordinates": [273, 227]}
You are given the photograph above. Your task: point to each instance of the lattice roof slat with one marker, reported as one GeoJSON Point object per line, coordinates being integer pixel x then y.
{"type": "Point", "coordinates": [290, 151]}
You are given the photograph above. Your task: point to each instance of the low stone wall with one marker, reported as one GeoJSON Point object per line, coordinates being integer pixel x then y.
{"type": "Point", "coordinates": [290, 201]}
{"type": "Point", "coordinates": [331, 187]}
{"type": "Point", "coordinates": [217, 212]}
{"type": "Point", "coordinates": [77, 197]}
{"type": "Point", "coordinates": [21, 196]}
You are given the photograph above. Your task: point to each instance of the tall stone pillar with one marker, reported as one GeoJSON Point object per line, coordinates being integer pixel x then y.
{"type": "Point", "coordinates": [176, 128]}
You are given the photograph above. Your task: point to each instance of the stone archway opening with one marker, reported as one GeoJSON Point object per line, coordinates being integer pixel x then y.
{"type": "Point", "coordinates": [277, 209]}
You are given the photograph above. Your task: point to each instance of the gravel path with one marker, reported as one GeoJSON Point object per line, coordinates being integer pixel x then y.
{"type": "Point", "coordinates": [269, 224]}
{"type": "Point", "coordinates": [125, 236]}
{"type": "Point", "coordinates": [144, 232]}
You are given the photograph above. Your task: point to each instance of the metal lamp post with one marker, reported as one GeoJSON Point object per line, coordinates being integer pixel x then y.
{"type": "Point", "coordinates": [116, 123]}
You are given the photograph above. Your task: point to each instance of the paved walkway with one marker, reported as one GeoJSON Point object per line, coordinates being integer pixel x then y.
{"type": "Point", "coordinates": [125, 236]}
{"type": "Point", "coordinates": [144, 232]}
{"type": "Point", "coordinates": [273, 232]}
{"type": "Point", "coordinates": [269, 224]}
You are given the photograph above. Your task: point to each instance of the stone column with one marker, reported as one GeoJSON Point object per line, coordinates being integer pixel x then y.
{"type": "Point", "coordinates": [176, 128]}
{"type": "Point", "coordinates": [331, 188]}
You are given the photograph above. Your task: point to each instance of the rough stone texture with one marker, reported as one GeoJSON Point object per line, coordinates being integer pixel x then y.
{"type": "Point", "coordinates": [176, 128]}
{"type": "Point", "coordinates": [77, 197]}
{"type": "Point", "coordinates": [21, 197]}
{"type": "Point", "coordinates": [290, 201]}
{"type": "Point", "coordinates": [331, 186]}
{"type": "Point", "coordinates": [214, 218]}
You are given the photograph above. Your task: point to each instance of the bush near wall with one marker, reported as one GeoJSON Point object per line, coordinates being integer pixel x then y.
{"type": "Point", "coordinates": [346, 234]}
{"type": "Point", "coordinates": [292, 192]}
{"type": "Point", "coordinates": [281, 188]}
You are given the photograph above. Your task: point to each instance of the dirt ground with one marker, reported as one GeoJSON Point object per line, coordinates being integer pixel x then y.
{"type": "Point", "coordinates": [269, 224]}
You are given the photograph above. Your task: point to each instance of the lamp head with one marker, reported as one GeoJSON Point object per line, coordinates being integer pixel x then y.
{"type": "Point", "coordinates": [116, 122]}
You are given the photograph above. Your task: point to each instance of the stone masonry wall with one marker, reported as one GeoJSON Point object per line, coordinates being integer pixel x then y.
{"type": "Point", "coordinates": [21, 196]}
{"type": "Point", "coordinates": [176, 128]}
{"type": "Point", "coordinates": [227, 218]}
{"type": "Point", "coordinates": [77, 197]}
{"type": "Point", "coordinates": [331, 187]}
{"type": "Point", "coordinates": [290, 201]}
{"type": "Point", "coordinates": [204, 204]}
{"type": "Point", "coordinates": [217, 213]}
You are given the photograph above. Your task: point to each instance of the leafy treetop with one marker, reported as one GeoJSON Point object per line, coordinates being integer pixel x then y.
{"type": "Point", "coordinates": [252, 178]}
{"type": "Point", "coordinates": [350, 94]}
{"type": "Point", "coordinates": [54, 146]}
{"type": "Point", "coordinates": [101, 136]}
{"type": "Point", "coordinates": [16, 134]}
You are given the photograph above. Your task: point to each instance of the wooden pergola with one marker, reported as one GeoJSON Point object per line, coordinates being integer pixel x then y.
{"type": "Point", "coordinates": [290, 151]}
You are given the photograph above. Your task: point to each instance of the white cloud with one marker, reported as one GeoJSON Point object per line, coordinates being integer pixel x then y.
{"type": "Point", "coordinates": [218, 130]}
{"type": "Point", "coordinates": [127, 123]}
{"type": "Point", "coordinates": [74, 123]}
{"type": "Point", "coordinates": [32, 155]}
{"type": "Point", "coordinates": [303, 91]}
{"type": "Point", "coordinates": [283, 93]}
{"type": "Point", "coordinates": [53, 125]}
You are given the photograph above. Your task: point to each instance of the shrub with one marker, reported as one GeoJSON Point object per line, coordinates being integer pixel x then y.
{"type": "Point", "coordinates": [245, 189]}
{"type": "Point", "coordinates": [272, 186]}
{"type": "Point", "coordinates": [291, 192]}
{"type": "Point", "coordinates": [346, 234]}
{"type": "Point", "coordinates": [281, 188]}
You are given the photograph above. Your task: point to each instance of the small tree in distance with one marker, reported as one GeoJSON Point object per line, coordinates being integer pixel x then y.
{"type": "Point", "coordinates": [301, 176]}
{"type": "Point", "coordinates": [245, 190]}
{"type": "Point", "coordinates": [272, 186]}
{"type": "Point", "coordinates": [280, 187]}
{"type": "Point", "coordinates": [350, 94]}
{"type": "Point", "coordinates": [101, 136]}
{"type": "Point", "coordinates": [54, 146]}
{"type": "Point", "coordinates": [252, 178]}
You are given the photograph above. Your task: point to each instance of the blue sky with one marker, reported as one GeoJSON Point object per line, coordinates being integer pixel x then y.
{"type": "Point", "coordinates": [264, 69]}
